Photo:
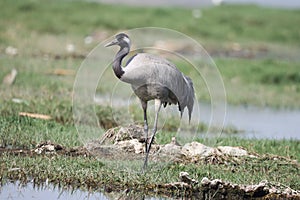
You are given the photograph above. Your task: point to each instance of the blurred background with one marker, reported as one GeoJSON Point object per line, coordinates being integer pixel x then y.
{"type": "Point", "coordinates": [254, 44]}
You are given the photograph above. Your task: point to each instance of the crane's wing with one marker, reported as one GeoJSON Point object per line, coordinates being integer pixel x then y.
{"type": "Point", "coordinates": [146, 68]}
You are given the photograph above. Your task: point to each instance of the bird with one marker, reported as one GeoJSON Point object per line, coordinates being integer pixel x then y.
{"type": "Point", "coordinates": [152, 77]}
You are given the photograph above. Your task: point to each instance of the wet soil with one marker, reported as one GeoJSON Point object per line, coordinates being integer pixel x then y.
{"type": "Point", "coordinates": [47, 148]}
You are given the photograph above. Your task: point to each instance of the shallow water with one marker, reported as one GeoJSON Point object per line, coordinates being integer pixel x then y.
{"type": "Point", "coordinates": [262, 123]}
{"type": "Point", "coordinates": [28, 192]}
{"type": "Point", "coordinates": [268, 3]}
{"type": "Point", "coordinates": [204, 3]}
{"type": "Point", "coordinates": [253, 122]}
{"type": "Point", "coordinates": [16, 191]}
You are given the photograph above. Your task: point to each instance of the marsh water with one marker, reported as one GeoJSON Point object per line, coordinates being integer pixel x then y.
{"type": "Point", "coordinates": [261, 122]}
{"type": "Point", "coordinates": [21, 192]}
{"type": "Point", "coordinates": [251, 122]}
{"type": "Point", "coordinates": [29, 192]}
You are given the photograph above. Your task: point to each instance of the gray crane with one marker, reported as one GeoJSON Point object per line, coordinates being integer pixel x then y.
{"type": "Point", "coordinates": [152, 78]}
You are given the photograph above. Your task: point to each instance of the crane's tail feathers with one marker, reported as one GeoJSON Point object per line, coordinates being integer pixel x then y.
{"type": "Point", "coordinates": [190, 97]}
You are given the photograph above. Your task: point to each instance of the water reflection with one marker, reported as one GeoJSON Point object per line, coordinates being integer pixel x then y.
{"type": "Point", "coordinates": [19, 191]}
{"type": "Point", "coordinates": [28, 191]}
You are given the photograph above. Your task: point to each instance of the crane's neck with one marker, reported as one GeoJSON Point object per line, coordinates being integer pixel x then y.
{"type": "Point", "coordinates": [117, 64]}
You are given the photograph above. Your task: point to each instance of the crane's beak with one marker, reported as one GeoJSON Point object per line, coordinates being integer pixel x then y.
{"type": "Point", "coordinates": [114, 42]}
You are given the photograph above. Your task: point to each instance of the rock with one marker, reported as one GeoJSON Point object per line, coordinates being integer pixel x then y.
{"type": "Point", "coordinates": [131, 146]}
{"type": "Point", "coordinates": [274, 190]}
{"type": "Point", "coordinates": [264, 182]}
{"type": "Point", "coordinates": [232, 151]}
{"type": "Point", "coordinates": [117, 134]}
{"type": "Point", "coordinates": [171, 149]}
{"type": "Point", "coordinates": [287, 191]}
{"type": "Point", "coordinates": [205, 181]}
{"type": "Point", "coordinates": [10, 78]}
{"type": "Point", "coordinates": [131, 132]}
{"type": "Point", "coordinates": [254, 188]}
{"type": "Point", "coordinates": [194, 149]}
{"type": "Point", "coordinates": [70, 48]}
{"type": "Point", "coordinates": [47, 147]}
{"type": "Point", "coordinates": [174, 141]}
{"type": "Point", "coordinates": [131, 139]}
{"type": "Point", "coordinates": [185, 177]}
{"type": "Point", "coordinates": [176, 185]}
{"type": "Point", "coordinates": [17, 100]}
{"type": "Point", "coordinates": [88, 40]}
{"type": "Point", "coordinates": [226, 190]}
{"type": "Point", "coordinates": [215, 183]}
{"type": "Point", "coordinates": [12, 51]}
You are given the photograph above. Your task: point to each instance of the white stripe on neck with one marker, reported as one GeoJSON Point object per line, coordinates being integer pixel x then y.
{"type": "Point", "coordinates": [126, 39]}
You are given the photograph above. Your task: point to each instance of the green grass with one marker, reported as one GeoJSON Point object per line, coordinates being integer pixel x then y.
{"type": "Point", "coordinates": [24, 132]}
{"type": "Point", "coordinates": [40, 30]}
{"type": "Point", "coordinates": [265, 82]}
{"type": "Point", "coordinates": [90, 173]}
{"type": "Point", "coordinates": [222, 23]}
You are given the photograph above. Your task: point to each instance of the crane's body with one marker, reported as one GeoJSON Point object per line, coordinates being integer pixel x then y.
{"type": "Point", "coordinates": [152, 78]}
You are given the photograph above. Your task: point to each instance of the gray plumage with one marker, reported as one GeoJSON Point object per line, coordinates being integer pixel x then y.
{"type": "Point", "coordinates": [153, 78]}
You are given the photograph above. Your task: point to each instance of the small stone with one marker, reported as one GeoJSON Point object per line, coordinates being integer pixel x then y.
{"type": "Point", "coordinates": [263, 182]}
{"type": "Point", "coordinates": [288, 191]}
{"type": "Point", "coordinates": [10, 78]}
{"type": "Point", "coordinates": [182, 174]}
{"type": "Point", "coordinates": [131, 146]}
{"type": "Point", "coordinates": [88, 40]}
{"type": "Point", "coordinates": [70, 48]}
{"type": "Point", "coordinates": [171, 149]}
{"type": "Point", "coordinates": [19, 101]}
{"type": "Point", "coordinates": [215, 183]}
{"type": "Point", "coordinates": [232, 151]}
{"type": "Point", "coordinates": [184, 177]}
{"type": "Point", "coordinates": [273, 190]}
{"type": "Point", "coordinates": [174, 141]}
{"type": "Point", "coordinates": [205, 181]}
{"type": "Point", "coordinates": [196, 149]}
{"type": "Point", "coordinates": [12, 51]}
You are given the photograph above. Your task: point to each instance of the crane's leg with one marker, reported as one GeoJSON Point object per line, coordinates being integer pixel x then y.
{"type": "Point", "coordinates": [144, 106]}
{"type": "Point", "coordinates": [157, 109]}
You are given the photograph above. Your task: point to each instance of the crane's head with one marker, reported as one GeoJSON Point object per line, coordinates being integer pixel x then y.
{"type": "Point", "coordinates": [121, 39]}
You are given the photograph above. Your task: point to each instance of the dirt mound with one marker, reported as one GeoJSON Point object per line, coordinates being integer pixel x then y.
{"type": "Point", "coordinates": [122, 141]}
